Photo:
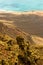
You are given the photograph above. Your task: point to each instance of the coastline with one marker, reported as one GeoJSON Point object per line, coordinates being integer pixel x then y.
{"type": "Point", "coordinates": [24, 12]}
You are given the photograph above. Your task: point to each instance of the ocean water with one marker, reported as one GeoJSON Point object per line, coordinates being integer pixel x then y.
{"type": "Point", "coordinates": [21, 5]}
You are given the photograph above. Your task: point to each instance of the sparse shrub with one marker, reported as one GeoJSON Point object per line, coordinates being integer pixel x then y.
{"type": "Point", "coordinates": [10, 42]}
{"type": "Point", "coordinates": [2, 38]}
{"type": "Point", "coordinates": [24, 60]}
{"type": "Point", "coordinates": [21, 46]}
{"type": "Point", "coordinates": [15, 63]}
{"type": "Point", "coordinates": [20, 42]}
{"type": "Point", "coordinates": [28, 53]}
{"type": "Point", "coordinates": [3, 62]}
{"type": "Point", "coordinates": [8, 48]}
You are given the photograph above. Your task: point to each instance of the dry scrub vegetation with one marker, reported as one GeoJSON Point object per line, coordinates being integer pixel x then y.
{"type": "Point", "coordinates": [19, 52]}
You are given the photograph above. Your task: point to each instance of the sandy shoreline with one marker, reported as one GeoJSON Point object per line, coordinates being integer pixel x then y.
{"type": "Point", "coordinates": [25, 12]}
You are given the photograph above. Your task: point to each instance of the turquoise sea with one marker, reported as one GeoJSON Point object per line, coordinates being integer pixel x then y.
{"type": "Point", "coordinates": [21, 5]}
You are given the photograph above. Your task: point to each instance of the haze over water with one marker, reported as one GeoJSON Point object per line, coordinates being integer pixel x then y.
{"type": "Point", "coordinates": [21, 5]}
